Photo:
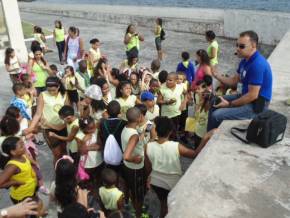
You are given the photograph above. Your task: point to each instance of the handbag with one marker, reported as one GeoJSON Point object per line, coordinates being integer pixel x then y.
{"type": "Point", "coordinates": [82, 175]}
{"type": "Point", "coordinates": [266, 129]}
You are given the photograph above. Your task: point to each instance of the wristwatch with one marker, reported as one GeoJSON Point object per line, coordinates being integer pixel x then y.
{"type": "Point", "coordinates": [4, 213]}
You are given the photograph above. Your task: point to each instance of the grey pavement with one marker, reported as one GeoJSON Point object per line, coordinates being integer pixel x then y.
{"type": "Point", "coordinates": [111, 36]}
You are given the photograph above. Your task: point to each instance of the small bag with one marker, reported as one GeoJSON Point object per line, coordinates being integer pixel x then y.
{"type": "Point", "coordinates": [266, 129]}
{"type": "Point", "coordinates": [82, 174]}
{"type": "Point", "coordinates": [162, 34]}
{"type": "Point", "coordinates": [112, 152]}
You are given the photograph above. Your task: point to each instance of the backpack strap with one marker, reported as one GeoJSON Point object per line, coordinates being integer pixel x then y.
{"type": "Point", "coordinates": [108, 129]}
{"type": "Point", "coordinates": [235, 129]}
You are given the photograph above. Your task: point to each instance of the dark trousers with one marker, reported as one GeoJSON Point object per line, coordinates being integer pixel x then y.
{"type": "Point", "coordinates": [60, 48]}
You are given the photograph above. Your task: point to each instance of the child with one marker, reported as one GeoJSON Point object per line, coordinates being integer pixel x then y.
{"type": "Point", "coordinates": [134, 173]}
{"type": "Point", "coordinates": [59, 38]}
{"type": "Point", "coordinates": [71, 84]}
{"type": "Point", "coordinates": [55, 71]}
{"type": "Point", "coordinates": [12, 64]}
{"type": "Point", "coordinates": [66, 113]}
{"type": "Point", "coordinates": [90, 151]}
{"type": "Point", "coordinates": [186, 66]}
{"type": "Point", "coordinates": [135, 82]}
{"type": "Point", "coordinates": [154, 88]}
{"type": "Point", "coordinates": [113, 124]}
{"type": "Point", "coordinates": [83, 77]}
{"type": "Point", "coordinates": [146, 128]}
{"type": "Point", "coordinates": [162, 77]}
{"type": "Point", "coordinates": [31, 93]}
{"type": "Point", "coordinates": [124, 97]}
{"type": "Point", "coordinates": [147, 99]}
{"type": "Point", "coordinates": [155, 67]}
{"type": "Point", "coordinates": [18, 174]}
{"type": "Point", "coordinates": [9, 126]}
{"type": "Point", "coordinates": [181, 79]}
{"type": "Point", "coordinates": [94, 52]}
{"type": "Point", "coordinates": [17, 101]}
{"type": "Point", "coordinates": [40, 37]}
{"type": "Point", "coordinates": [163, 157]}
{"type": "Point", "coordinates": [146, 78]}
{"type": "Point", "coordinates": [201, 116]}
{"type": "Point", "coordinates": [111, 197]}
{"type": "Point", "coordinates": [170, 98]}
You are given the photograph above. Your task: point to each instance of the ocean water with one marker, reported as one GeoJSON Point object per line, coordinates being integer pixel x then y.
{"type": "Point", "coordinates": [265, 5]}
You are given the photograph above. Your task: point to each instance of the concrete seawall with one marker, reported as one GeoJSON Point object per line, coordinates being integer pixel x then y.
{"type": "Point", "coordinates": [271, 26]}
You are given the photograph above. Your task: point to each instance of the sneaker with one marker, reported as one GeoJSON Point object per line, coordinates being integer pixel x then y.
{"type": "Point", "coordinates": [43, 190]}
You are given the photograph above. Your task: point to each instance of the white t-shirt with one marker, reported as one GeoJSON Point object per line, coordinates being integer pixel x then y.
{"type": "Point", "coordinates": [151, 115]}
{"type": "Point", "coordinates": [94, 158]}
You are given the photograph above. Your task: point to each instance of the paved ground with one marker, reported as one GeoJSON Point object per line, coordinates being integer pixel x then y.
{"type": "Point", "coordinates": [111, 36]}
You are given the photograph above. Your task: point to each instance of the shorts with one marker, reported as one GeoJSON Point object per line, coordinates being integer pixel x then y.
{"type": "Point", "coordinates": [73, 96]}
{"type": "Point", "coordinates": [161, 193]}
{"type": "Point", "coordinates": [136, 182]}
{"type": "Point", "coordinates": [158, 43]}
{"type": "Point", "coordinates": [53, 142]}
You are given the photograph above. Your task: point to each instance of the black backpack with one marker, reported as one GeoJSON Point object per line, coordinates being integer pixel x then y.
{"type": "Point", "coordinates": [266, 129]}
{"type": "Point", "coordinates": [162, 34]}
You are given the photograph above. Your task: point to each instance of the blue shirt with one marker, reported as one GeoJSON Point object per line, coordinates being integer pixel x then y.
{"type": "Point", "coordinates": [22, 106]}
{"type": "Point", "coordinates": [189, 71]}
{"type": "Point", "coordinates": [256, 71]}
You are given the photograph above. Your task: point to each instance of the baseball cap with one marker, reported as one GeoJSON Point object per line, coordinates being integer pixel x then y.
{"type": "Point", "coordinates": [147, 96]}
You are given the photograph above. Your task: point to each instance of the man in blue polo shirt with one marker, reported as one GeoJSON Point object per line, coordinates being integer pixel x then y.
{"type": "Point", "coordinates": [254, 76]}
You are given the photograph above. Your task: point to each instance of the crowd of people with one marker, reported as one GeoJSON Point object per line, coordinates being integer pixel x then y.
{"type": "Point", "coordinates": [116, 132]}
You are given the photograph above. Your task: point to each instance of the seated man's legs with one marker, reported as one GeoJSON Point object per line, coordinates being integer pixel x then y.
{"type": "Point", "coordinates": [216, 116]}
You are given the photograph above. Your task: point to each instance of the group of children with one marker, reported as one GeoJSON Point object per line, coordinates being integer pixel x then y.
{"type": "Point", "coordinates": [125, 130]}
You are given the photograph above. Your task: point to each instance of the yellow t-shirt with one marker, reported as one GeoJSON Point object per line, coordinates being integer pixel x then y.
{"type": "Point", "coordinates": [134, 42]}
{"type": "Point", "coordinates": [94, 158]}
{"type": "Point", "coordinates": [214, 44]}
{"type": "Point", "coordinates": [52, 104]}
{"type": "Point", "coordinates": [72, 146]}
{"type": "Point", "coordinates": [201, 124]}
{"type": "Point", "coordinates": [138, 150]}
{"type": "Point", "coordinates": [164, 157]}
{"type": "Point", "coordinates": [96, 55]}
{"type": "Point", "coordinates": [171, 110]}
{"type": "Point", "coordinates": [27, 176]}
{"type": "Point", "coordinates": [126, 104]}
{"type": "Point", "coordinates": [157, 34]}
{"type": "Point", "coordinates": [110, 197]}
{"type": "Point", "coordinates": [70, 83]}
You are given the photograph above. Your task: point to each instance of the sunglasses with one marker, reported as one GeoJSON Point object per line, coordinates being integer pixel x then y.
{"type": "Point", "coordinates": [240, 46]}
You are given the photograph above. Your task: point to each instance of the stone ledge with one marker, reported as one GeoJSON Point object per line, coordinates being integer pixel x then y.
{"type": "Point", "coordinates": [232, 179]}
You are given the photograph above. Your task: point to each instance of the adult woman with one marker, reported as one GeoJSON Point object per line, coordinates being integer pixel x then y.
{"type": "Point", "coordinates": [74, 47]}
{"type": "Point", "coordinates": [12, 64]}
{"type": "Point", "coordinates": [162, 158]}
{"type": "Point", "coordinates": [59, 37]}
{"type": "Point", "coordinates": [49, 103]}
{"type": "Point", "coordinates": [203, 66]}
{"type": "Point", "coordinates": [157, 33]}
{"type": "Point", "coordinates": [38, 68]}
{"type": "Point", "coordinates": [212, 49]}
{"type": "Point", "coordinates": [132, 40]}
